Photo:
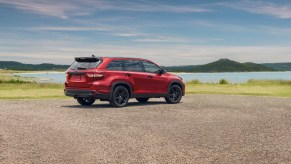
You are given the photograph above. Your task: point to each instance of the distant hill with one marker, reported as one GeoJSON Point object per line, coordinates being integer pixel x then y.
{"type": "Point", "coordinates": [12, 65]}
{"type": "Point", "coordinates": [222, 65]}
{"type": "Point", "coordinates": [278, 66]}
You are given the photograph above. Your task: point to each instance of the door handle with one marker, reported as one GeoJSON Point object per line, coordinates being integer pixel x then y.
{"type": "Point", "coordinates": [149, 76]}
{"type": "Point", "coordinates": [127, 74]}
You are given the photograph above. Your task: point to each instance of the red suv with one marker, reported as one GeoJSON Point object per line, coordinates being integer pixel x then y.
{"type": "Point", "coordinates": [117, 79]}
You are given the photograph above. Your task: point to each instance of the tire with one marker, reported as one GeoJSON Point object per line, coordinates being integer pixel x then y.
{"type": "Point", "coordinates": [175, 95]}
{"type": "Point", "coordinates": [142, 100]}
{"type": "Point", "coordinates": [119, 97]}
{"type": "Point", "coordinates": [86, 101]}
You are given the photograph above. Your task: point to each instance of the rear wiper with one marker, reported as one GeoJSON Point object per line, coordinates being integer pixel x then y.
{"type": "Point", "coordinates": [81, 68]}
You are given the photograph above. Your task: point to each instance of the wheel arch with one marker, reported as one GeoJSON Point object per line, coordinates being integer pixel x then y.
{"type": "Point", "coordinates": [176, 82]}
{"type": "Point", "coordinates": [127, 85]}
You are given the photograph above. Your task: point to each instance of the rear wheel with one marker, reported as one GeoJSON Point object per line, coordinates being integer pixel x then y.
{"type": "Point", "coordinates": [120, 97]}
{"type": "Point", "coordinates": [85, 100]}
{"type": "Point", "coordinates": [142, 100]}
{"type": "Point", "coordinates": [175, 94]}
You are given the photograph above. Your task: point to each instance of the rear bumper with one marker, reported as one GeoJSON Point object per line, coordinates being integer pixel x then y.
{"type": "Point", "coordinates": [85, 93]}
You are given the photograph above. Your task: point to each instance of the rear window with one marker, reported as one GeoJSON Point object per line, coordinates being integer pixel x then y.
{"type": "Point", "coordinates": [85, 63]}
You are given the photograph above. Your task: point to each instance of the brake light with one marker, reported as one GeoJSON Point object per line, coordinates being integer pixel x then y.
{"type": "Point", "coordinates": [67, 76]}
{"type": "Point", "coordinates": [95, 75]}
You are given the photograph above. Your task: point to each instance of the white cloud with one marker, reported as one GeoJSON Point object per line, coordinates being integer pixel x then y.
{"type": "Point", "coordinates": [155, 7]}
{"type": "Point", "coordinates": [72, 28]}
{"type": "Point", "coordinates": [162, 40]}
{"type": "Point", "coordinates": [121, 32]}
{"type": "Point", "coordinates": [61, 9]}
{"type": "Point", "coordinates": [63, 52]}
{"type": "Point", "coordinates": [282, 11]}
{"type": "Point", "coordinates": [66, 8]}
{"type": "Point", "coordinates": [251, 28]}
{"type": "Point", "coordinates": [130, 34]}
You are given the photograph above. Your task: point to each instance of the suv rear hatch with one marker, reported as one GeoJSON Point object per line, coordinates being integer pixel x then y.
{"type": "Point", "coordinates": [82, 73]}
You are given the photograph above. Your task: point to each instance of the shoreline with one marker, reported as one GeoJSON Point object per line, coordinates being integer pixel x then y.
{"type": "Point", "coordinates": [40, 72]}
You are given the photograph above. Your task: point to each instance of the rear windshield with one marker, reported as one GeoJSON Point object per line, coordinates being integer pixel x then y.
{"type": "Point", "coordinates": [85, 63]}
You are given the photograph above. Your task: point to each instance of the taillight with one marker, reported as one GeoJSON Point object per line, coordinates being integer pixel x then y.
{"type": "Point", "coordinates": [96, 75]}
{"type": "Point", "coordinates": [67, 76]}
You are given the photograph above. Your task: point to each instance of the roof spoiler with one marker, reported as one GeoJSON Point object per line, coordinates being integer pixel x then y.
{"type": "Point", "coordinates": [87, 59]}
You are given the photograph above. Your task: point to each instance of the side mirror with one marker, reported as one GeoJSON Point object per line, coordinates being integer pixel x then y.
{"type": "Point", "coordinates": [160, 71]}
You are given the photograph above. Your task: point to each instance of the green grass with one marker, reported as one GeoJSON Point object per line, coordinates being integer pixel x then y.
{"type": "Point", "coordinates": [276, 88]}
{"type": "Point", "coordinates": [15, 87]}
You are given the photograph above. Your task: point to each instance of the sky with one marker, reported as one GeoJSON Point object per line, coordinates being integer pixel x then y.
{"type": "Point", "coordinates": [169, 32]}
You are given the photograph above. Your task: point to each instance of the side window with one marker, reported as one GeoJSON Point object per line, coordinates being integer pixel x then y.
{"type": "Point", "coordinates": [115, 65]}
{"type": "Point", "coordinates": [133, 65]}
{"type": "Point", "coordinates": [150, 67]}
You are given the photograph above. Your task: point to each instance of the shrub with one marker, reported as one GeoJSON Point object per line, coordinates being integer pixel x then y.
{"type": "Point", "coordinates": [194, 82]}
{"type": "Point", "coordinates": [223, 81]}
{"type": "Point", "coordinates": [14, 81]}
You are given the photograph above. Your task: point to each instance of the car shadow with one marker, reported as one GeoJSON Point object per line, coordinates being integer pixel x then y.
{"type": "Point", "coordinates": [107, 105]}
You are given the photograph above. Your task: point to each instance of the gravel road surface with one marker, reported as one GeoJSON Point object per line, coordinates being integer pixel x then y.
{"type": "Point", "coordinates": [200, 129]}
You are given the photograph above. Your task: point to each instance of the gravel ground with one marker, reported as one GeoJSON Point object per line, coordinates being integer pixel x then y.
{"type": "Point", "coordinates": [201, 129]}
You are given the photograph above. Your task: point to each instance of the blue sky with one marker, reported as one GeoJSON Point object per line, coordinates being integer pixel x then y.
{"type": "Point", "coordinates": [178, 32]}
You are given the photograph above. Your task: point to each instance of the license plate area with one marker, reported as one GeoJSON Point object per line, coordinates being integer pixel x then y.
{"type": "Point", "coordinates": [78, 78]}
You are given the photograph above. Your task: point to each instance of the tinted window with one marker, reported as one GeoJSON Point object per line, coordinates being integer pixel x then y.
{"type": "Point", "coordinates": [133, 65]}
{"type": "Point", "coordinates": [77, 65]}
{"type": "Point", "coordinates": [115, 65]}
{"type": "Point", "coordinates": [150, 67]}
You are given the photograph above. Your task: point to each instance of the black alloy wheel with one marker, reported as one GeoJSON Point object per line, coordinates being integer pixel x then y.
{"type": "Point", "coordinates": [175, 95]}
{"type": "Point", "coordinates": [120, 97]}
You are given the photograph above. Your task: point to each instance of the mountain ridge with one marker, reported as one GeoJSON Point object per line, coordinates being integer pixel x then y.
{"type": "Point", "coordinates": [13, 65]}
{"type": "Point", "coordinates": [278, 66]}
{"type": "Point", "coordinates": [221, 65]}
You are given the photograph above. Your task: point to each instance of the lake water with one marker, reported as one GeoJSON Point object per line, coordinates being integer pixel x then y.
{"type": "Point", "coordinates": [236, 77]}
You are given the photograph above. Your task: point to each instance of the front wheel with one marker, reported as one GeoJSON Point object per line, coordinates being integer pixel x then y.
{"type": "Point", "coordinates": [119, 97]}
{"type": "Point", "coordinates": [175, 95]}
{"type": "Point", "coordinates": [86, 101]}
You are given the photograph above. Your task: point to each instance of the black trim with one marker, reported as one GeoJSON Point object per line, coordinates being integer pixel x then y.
{"type": "Point", "coordinates": [87, 59]}
{"type": "Point", "coordinates": [85, 93]}
{"type": "Point", "coordinates": [152, 95]}
{"type": "Point", "coordinates": [76, 73]}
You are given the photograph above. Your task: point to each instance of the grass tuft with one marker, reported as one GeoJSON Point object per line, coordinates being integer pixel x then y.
{"type": "Point", "coordinates": [14, 81]}
{"type": "Point", "coordinates": [223, 81]}
{"type": "Point", "coordinates": [269, 82]}
{"type": "Point", "coordinates": [194, 82]}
